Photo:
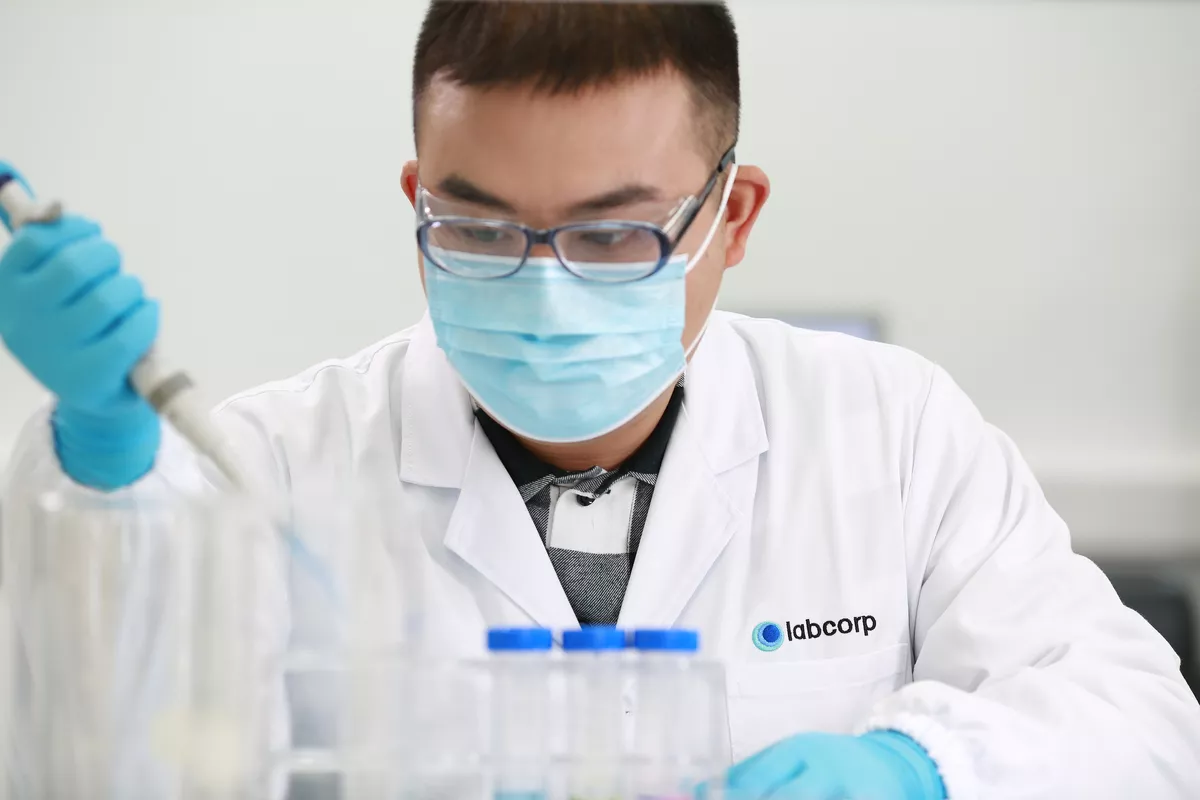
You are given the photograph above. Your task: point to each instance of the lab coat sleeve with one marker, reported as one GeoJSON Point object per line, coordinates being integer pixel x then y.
{"type": "Point", "coordinates": [33, 472]}
{"type": "Point", "coordinates": [1031, 679]}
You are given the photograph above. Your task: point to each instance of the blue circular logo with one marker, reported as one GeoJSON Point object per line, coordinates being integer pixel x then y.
{"type": "Point", "coordinates": [767, 636]}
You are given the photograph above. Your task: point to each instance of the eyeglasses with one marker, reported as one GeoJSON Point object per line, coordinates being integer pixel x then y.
{"type": "Point", "coordinates": [608, 251]}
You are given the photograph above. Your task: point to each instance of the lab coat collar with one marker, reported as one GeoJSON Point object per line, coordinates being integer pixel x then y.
{"type": "Point", "coordinates": [700, 498]}
{"type": "Point", "coordinates": [705, 490]}
{"type": "Point", "coordinates": [442, 445]}
{"type": "Point", "coordinates": [722, 402]}
{"type": "Point", "coordinates": [437, 416]}
{"type": "Point", "coordinates": [438, 424]}
{"type": "Point", "coordinates": [491, 530]}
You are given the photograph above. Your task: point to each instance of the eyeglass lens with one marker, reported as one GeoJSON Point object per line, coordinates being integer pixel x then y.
{"type": "Point", "coordinates": [609, 251]}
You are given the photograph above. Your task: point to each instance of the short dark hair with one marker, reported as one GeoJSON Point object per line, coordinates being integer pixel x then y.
{"type": "Point", "coordinates": [564, 47]}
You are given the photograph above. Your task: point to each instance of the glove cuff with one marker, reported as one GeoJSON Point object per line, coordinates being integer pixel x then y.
{"type": "Point", "coordinates": [919, 772]}
{"type": "Point", "coordinates": [106, 451]}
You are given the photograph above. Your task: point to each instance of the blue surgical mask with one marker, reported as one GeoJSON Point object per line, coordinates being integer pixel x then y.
{"type": "Point", "coordinates": [555, 358]}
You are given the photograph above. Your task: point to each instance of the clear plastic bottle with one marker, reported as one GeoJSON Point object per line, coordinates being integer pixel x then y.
{"type": "Point", "coordinates": [351, 670]}
{"type": "Point", "coordinates": [595, 713]}
{"type": "Point", "coordinates": [136, 666]}
{"type": "Point", "coordinates": [520, 741]}
{"type": "Point", "coordinates": [674, 732]}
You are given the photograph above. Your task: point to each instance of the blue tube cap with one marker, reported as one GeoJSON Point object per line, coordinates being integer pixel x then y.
{"type": "Point", "coordinates": [516, 639]}
{"type": "Point", "coordinates": [594, 637]}
{"type": "Point", "coordinates": [667, 640]}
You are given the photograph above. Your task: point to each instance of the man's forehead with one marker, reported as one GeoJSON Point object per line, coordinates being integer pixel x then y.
{"type": "Point", "coordinates": [548, 151]}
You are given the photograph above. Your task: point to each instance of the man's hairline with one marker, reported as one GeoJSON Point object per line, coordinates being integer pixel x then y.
{"type": "Point", "coordinates": [713, 132]}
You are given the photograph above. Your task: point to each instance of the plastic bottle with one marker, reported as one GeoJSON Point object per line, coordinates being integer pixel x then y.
{"type": "Point", "coordinates": [595, 713]}
{"type": "Point", "coordinates": [519, 666]}
{"type": "Point", "coordinates": [135, 664]}
{"type": "Point", "coordinates": [673, 729]}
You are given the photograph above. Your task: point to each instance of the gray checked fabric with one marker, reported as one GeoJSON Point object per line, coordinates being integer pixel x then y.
{"type": "Point", "coordinates": [593, 544]}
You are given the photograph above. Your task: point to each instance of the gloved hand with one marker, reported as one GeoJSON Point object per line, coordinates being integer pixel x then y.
{"type": "Point", "coordinates": [79, 325]}
{"type": "Point", "coordinates": [883, 765]}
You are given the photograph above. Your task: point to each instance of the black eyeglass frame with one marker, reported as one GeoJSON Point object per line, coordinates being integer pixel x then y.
{"type": "Point", "coordinates": [548, 236]}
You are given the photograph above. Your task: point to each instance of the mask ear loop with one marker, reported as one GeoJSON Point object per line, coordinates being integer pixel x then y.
{"type": "Point", "coordinates": [712, 229]}
{"type": "Point", "coordinates": [704, 248]}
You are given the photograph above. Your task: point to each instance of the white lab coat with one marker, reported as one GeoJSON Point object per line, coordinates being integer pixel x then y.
{"type": "Point", "coordinates": [811, 478]}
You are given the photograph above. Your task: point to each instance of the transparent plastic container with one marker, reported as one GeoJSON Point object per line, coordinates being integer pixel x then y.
{"type": "Point", "coordinates": [135, 669]}
{"type": "Point", "coordinates": [376, 713]}
{"type": "Point", "coordinates": [403, 728]}
{"type": "Point", "coordinates": [520, 708]}
{"type": "Point", "coordinates": [679, 730]}
{"type": "Point", "coordinates": [595, 713]}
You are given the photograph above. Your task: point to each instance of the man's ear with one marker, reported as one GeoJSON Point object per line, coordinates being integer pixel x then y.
{"type": "Point", "coordinates": [751, 188]}
{"type": "Point", "coordinates": [408, 181]}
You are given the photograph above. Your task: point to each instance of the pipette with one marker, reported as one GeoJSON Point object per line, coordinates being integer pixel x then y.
{"type": "Point", "coordinates": [173, 395]}
{"type": "Point", "coordinates": [170, 391]}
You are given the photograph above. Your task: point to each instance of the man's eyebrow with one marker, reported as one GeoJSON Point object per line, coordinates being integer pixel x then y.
{"type": "Point", "coordinates": [617, 198]}
{"type": "Point", "coordinates": [456, 187]}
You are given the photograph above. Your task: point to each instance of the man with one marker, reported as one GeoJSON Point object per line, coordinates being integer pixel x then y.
{"type": "Point", "coordinates": [899, 609]}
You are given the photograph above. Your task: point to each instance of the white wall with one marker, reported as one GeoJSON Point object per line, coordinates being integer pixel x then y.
{"type": "Point", "coordinates": [1014, 185]}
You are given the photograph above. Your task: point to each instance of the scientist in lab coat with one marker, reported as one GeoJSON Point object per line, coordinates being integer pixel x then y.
{"type": "Point", "coordinates": [574, 435]}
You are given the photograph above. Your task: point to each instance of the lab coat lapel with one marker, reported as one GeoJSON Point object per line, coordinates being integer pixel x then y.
{"type": "Point", "coordinates": [706, 486]}
{"type": "Point", "coordinates": [442, 445]}
{"type": "Point", "coordinates": [437, 420]}
{"type": "Point", "coordinates": [491, 530]}
{"type": "Point", "coordinates": [690, 522]}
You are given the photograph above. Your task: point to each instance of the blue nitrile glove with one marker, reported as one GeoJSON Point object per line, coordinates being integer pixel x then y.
{"type": "Point", "coordinates": [79, 325]}
{"type": "Point", "coordinates": [882, 765]}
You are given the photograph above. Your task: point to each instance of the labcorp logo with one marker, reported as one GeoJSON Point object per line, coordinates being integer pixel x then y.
{"type": "Point", "coordinates": [769, 636]}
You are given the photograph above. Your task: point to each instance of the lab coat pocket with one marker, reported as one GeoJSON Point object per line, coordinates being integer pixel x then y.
{"type": "Point", "coordinates": [771, 701]}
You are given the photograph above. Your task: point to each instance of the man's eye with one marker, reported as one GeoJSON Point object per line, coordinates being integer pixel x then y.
{"type": "Point", "coordinates": [605, 238]}
{"type": "Point", "coordinates": [482, 234]}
